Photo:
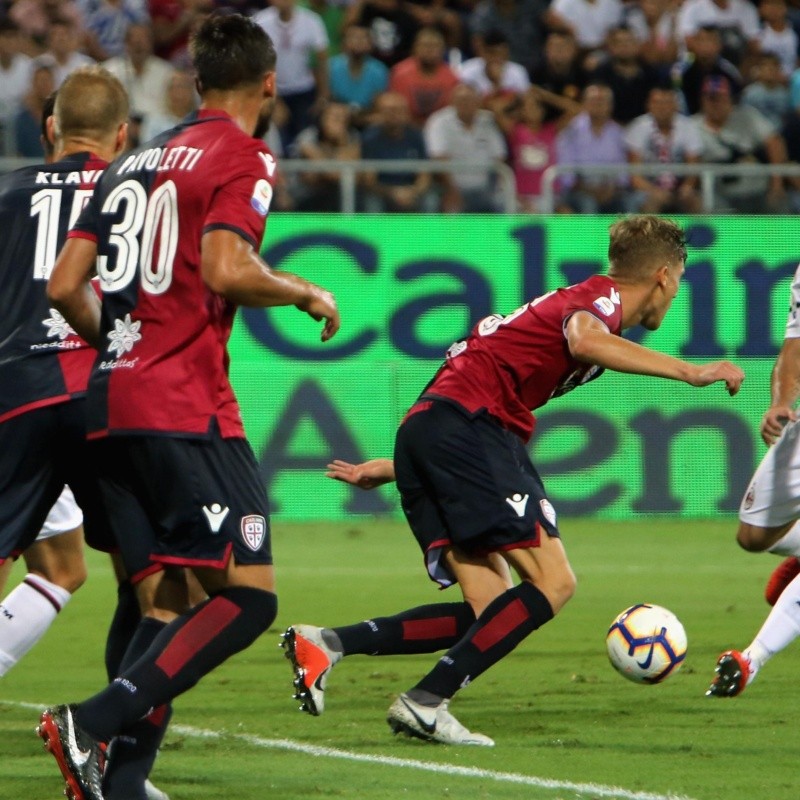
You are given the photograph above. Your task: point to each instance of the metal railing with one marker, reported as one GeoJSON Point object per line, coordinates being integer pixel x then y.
{"type": "Point", "coordinates": [709, 176]}
{"type": "Point", "coordinates": [349, 170]}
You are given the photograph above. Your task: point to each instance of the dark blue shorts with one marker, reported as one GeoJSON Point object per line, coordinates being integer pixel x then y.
{"type": "Point", "coordinates": [40, 451]}
{"type": "Point", "coordinates": [183, 502]}
{"type": "Point", "coordinates": [466, 481]}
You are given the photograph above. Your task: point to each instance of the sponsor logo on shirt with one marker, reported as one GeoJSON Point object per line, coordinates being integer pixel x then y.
{"type": "Point", "coordinates": [124, 336]}
{"type": "Point", "coordinates": [262, 197]}
{"type": "Point", "coordinates": [57, 326]}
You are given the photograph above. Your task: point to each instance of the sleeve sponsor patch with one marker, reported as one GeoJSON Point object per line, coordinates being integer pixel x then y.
{"type": "Point", "coordinates": [262, 197]}
{"type": "Point", "coordinates": [604, 305]}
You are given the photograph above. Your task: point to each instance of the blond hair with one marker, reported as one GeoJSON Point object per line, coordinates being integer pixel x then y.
{"type": "Point", "coordinates": [91, 104]}
{"type": "Point", "coordinates": [642, 243]}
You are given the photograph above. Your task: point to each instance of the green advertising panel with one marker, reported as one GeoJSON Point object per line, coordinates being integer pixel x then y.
{"type": "Point", "coordinates": [408, 287]}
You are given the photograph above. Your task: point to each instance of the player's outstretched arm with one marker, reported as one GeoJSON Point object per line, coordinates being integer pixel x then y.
{"type": "Point", "coordinates": [70, 290]}
{"type": "Point", "coordinates": [366, 476]}
{"type": "Point", "coordinates": [590, 341]}
{"type": "Point", "coordinates": [232, 268]}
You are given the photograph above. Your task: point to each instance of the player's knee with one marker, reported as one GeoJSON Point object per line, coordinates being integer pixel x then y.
{"type": "Point", "coordinates": [68, 576]}
{"type": "Point", "coordinates": [566, 587]}
{"type": "Point", "coordinates": [751, 538]}
{"type": "Point", "coordinates": [259, 609]}
{"type": "Point", "coordinates": [559, 588]}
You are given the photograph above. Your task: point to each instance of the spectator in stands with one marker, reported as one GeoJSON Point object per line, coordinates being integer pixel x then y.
{"type": "Point", "coordinates": [423, 78]}
{"type": "Point", "coordinates": [560, 71]}
{"type": "Point", "coordinates": [589, 21]}
{"type": "Point", "coordinates": [394, 137]}
{"type": "Point", "coordinates": [181, 99]}
{"type": "Point", "coordinates": [15, 77]}
{"type": "Point", "coordinates": [491, 73]}
{"type": "Point", "coordinates": [522, 22]}
{"type": "Point", "coordinates": [332, 14]}
{"type": "Point", "coordinates": [654, 23]}
{"type": "Point", "coordinates": [301, 43]}
{"type": "Point", "coordinates": [738, 134]}
{"type": "Point", "coordinates": [438, 14]}
{"type": "Point", "coordinates": [391, 28]}
{"type": "Point", "coordinates": [777, 35]}
{"type": "Point", "coordinates": [629, 79]}
{"type": "Point", "coordinates": [28, 120]}
{"type": "Point", "coordinates": [703, 60]}
{"type": "Point", "coordinates": [768, 93]}
{"type": "Point", "coordinates": [105, 23]}
{"type": "Point", "coordinates": [531, 144]}
{"type": "Point", "coordinates": [663, 136]}
{"type": "Point", "coordinates": [62, 47]}
{"type": "Point", "coordinates": [594, 139]}
{"type": "Point", "coordinates": [34, 18]}
{"type": "Point", "coordinates": [465, 131]}
{"type": "Point", "coordinates": [791, 135]}
{"type": "Point", "coordinates": [331, 138]}
{"type": "Point", "coordinates": [173, 22]}
{"type": "Point", "coordinates": [737, 21]}
{"type": "Point", "coordinates": [356, 78]}
{"type": "Point", "coordinates": [144, 75]}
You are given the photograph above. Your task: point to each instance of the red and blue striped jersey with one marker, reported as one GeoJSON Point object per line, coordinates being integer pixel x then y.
{"type": "Point", "coordinates": [42, 360]}
{"type": "Point", "coordinates": [163, 365]}
{"type": "Point", "coordinates": [510, 365]}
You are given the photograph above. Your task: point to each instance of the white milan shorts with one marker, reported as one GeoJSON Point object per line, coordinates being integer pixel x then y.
{"type": "Point", "coordinates": [64, 516]}
{"type": "Point", "coordinates": [773, 496]}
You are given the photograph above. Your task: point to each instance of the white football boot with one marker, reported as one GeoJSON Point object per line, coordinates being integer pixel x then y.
{"type": "Point", "coordinates": [434, 724]}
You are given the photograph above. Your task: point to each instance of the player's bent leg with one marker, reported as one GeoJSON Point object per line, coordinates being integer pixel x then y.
{"type": "Point", "coordinates": [55, 569]}
{"type": "Point", "coordinates": [59, 559]}
{"type": "Point", "coordinates": [5, 571]}
{"type": "Point", "coordinates": [314, 651]}
{"type": "Point", "coordinates": [758, 538]}
{"type": "Point", "coordinates": [480, 578]}
{"type": "Point", "coordinates": [185, 650]}
{"type": "Point", "coordinates": [503, 624]}
{"type": "Point", "coordinates": [780, 578]}
{"type": "Point", "coordinates": [142, 613]}
{"type": "Point", "coordinates": [546, 567]}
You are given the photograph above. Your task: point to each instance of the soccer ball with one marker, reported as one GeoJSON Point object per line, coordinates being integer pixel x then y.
{"type": "Point", "coordinates": [646, 643]}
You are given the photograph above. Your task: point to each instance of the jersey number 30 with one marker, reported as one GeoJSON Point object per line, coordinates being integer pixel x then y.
{"type": "Point", "coordinates": [145, 237]}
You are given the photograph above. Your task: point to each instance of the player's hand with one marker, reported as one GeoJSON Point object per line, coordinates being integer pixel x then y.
{"type": "Point", "coordinates": [774, 421]}
{"type": "Point", "coordinates": [707, 374]}
{"type": "Point", "coordinates": [319, 305]}
{"type": "Point", "coordinates": [366, 476]}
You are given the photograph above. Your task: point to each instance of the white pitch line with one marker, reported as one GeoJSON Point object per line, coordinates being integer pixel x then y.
{"type": "Point", "coordinates": [591, 789]}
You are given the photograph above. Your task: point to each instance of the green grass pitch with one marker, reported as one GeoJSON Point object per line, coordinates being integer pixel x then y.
{"type": "Point", "coordinates": [567, 726]}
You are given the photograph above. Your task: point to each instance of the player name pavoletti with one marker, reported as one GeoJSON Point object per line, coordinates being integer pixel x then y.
{"type": "Point", "coordinates": [161, 159]}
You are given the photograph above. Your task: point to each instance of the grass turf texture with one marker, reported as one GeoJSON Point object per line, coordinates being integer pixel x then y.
{"type": "Point", "coordinates": [555, 707]}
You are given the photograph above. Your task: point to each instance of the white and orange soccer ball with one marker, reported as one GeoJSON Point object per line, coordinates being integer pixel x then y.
{"type": "Point", "coordinates": [646, 643]}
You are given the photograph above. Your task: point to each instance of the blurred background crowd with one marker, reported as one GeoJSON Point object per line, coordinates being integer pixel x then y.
{"type": "Point", "coordinates": [525, 83]}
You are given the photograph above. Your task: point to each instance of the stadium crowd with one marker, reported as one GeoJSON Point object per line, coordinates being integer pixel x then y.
{"type": "Point", "coordinates": [523, 82]}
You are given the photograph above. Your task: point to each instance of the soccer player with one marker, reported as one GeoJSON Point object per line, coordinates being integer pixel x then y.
{"type": "Point", "coordinates": [173, 230]}
{"type": "Point", "coordinates": [469, 491]}
{"type": "Point", "coordinates": [44, 366]}
{"type": "Point", "coordinates": [769, 514]}
{"type": "Point", "coordinates": [38, 204]}
{"type": "Point", "coordinates": [54, 562]}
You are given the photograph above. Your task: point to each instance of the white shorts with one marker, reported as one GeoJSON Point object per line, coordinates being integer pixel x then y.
{"type": "Point", "coordinates": [773, 496]}
{"type": "Point", "coordinates": [64, 516]}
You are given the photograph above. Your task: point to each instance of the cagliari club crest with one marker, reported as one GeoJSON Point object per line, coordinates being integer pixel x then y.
{"type": "Point", "coordinates": [253, 527]}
